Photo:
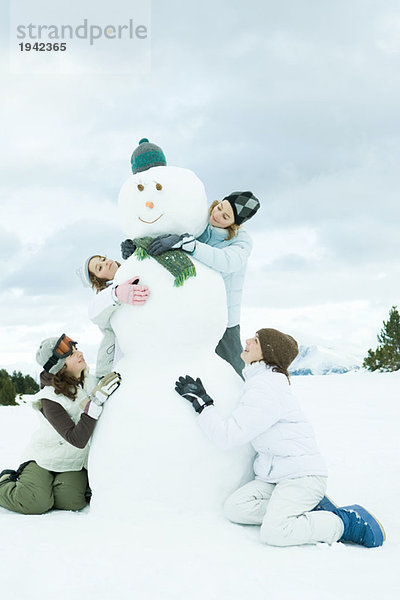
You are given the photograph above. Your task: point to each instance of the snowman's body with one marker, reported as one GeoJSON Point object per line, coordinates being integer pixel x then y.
{"type": "Point", "coordinates": [147, 446]}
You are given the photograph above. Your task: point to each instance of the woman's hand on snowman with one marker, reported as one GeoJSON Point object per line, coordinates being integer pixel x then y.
{"type": "Point", "coordinates": [100, 394]}
{"type": "Point", "coordinates": [162, 243]}
{"type": "Point", "coordinates": [132, 293]}
{"type": "Point", "coordinates": [193, 390]}
{"type": "Point", "coordinates": [127, 248]}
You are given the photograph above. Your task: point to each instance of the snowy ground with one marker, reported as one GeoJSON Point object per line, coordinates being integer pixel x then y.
{"type": "Point", "coordinates": [162, 554]}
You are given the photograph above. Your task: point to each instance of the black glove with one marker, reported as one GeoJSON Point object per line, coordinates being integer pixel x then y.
{"type": "Point", "coordinates": [194, 392]}
{"type": "Point", "coordinates": [127, 248]}
{"type": "Point", "coordinates": [162, 243]}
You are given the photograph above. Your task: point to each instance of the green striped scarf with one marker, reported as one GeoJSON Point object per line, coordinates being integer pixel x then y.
{"type": "Point", "coordinates": [177, 262]}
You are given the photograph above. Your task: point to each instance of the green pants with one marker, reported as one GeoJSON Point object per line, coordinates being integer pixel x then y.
{"type": "Point", "coordinates": [230, 348]}
{"type": "Point", "coordinates": [37, 490]}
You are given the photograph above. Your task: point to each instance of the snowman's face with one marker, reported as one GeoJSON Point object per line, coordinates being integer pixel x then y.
{"type": "Point", "coordinates": [163, 200]}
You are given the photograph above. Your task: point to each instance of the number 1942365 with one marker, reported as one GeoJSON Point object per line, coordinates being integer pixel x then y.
{"type": "Point", "coordinates": [42, 47]}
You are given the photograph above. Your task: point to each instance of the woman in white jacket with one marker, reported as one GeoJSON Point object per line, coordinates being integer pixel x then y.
{"type": "Point", "coordinates": [290, 473]}
{"type": "Point", "coordinates": [98, 272]}
{"type": "Point", "coordinates": [53, 473]}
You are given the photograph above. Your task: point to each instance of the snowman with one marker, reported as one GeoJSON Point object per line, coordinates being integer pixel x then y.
{"type": "Point", "coordinates": [148, 450]}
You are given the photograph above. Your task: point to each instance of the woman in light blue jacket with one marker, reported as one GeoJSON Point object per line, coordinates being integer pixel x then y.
{"type": "Point", "coordinates": [287, 495]}
{"type": "Point", "coordinates": [225, 247]}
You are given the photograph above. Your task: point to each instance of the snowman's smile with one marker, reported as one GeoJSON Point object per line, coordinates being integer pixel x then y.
{"type": "Point", "coordinates": [149, 222]}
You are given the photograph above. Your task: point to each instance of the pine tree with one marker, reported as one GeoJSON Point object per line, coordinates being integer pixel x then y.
{"type": "Point", "coordinates": [30, 385]}
{"type": "Point", "coordinates": [387, 355]}
{"type": "Point", "coordinates": [7, 389]}
{"type": "Point", "coordinates": [18, 380]}
{"type": "Point", "coordinates": [24, 384]}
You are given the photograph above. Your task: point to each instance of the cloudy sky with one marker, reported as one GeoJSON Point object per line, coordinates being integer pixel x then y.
{"type": "Point", "coordinates": [297, 100]}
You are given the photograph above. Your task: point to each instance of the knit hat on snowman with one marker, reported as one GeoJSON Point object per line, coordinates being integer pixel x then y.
{"type": "Point", "coordinates": [146, 156]}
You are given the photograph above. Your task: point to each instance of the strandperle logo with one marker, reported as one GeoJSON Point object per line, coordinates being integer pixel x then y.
{"type": "Point", "coordinates": [85, 31]}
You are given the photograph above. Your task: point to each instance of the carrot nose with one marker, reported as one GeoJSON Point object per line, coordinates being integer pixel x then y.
{"type": "Point", "coordinates": [149, 204]}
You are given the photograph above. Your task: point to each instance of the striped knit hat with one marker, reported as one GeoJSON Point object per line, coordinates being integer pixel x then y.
{"type": "Point", "coordinates": [146, 156]}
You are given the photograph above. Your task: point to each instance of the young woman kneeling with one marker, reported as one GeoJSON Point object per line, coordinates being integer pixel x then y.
{"type": "Point", "coordinates": [287, 495]}
{"type": "Point", "coordinates": [54, 471]}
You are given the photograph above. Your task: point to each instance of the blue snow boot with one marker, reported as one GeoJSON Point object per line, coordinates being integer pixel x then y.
{"type": "Point", "coordinates": [326, 504]}
{"type": "Point", "coordinates": [360, 526]}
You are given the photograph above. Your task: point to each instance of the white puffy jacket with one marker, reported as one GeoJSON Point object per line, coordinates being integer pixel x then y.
{"type": "Point", "coordinates": [100, 311]}
{"type": "Point", "coordinates": [270, 418]}
{"type": "Point", "coordinates": [47, 447]}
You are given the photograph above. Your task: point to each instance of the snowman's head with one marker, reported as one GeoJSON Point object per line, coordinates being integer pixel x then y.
{"type": "Point", "coordinates": [163, 200]}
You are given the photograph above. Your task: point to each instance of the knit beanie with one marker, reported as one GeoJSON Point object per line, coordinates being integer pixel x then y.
{"type": "Point", "coordinates": [45, 352]}
{"type": "Point", "coordinates": [278, 349]}
{"type": "Point", "coordinates": [83, 271]}
{"type": "Point", "coordinates": [244, 205]}
{"type": "Point", "coordinates": [146, 156]}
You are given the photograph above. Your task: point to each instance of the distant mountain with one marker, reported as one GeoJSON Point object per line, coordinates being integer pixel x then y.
{"type": "Point", "coordinates": [320, 360]}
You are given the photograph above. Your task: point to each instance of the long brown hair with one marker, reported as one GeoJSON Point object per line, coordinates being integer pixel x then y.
{"type": "Point", "coordinates": [67, 384]}
{"type": "Point", "coordinates": [277, 369]}
{"type": "Point", "coordinates": [232, 229]}
{"type": "Point", "coordinates": [99, 283]}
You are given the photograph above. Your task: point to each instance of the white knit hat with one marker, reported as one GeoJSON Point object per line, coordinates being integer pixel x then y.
{"type": "Point", "coordinates": [83, 271]}
{"type": "Point", "coordinates": [46, 352]}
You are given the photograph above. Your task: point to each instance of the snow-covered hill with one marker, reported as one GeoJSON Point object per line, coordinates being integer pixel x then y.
{"type": "Point", "coordinates": [320, 360]}
{"type": "Point", "coordinates": [171, 554]}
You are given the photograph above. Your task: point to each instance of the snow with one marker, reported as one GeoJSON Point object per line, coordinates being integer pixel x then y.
{"type": "Point", "coordinates": [321, 360]}
{"type": "Point", "coordinates": [155, 528]}
{"type": "Point", "coordinates": [147, 431]}
{"type": "Point", "coordinates": [171, 553]}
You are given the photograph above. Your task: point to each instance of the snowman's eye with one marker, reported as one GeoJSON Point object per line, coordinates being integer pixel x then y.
{"type": "Point", "coordinates": [140, 187]}
{"type": "Point", "coordinates": [158, 186]}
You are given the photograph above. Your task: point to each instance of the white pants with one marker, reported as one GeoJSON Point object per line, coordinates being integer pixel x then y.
{"type": "Point", "coordinates": [282, 511]}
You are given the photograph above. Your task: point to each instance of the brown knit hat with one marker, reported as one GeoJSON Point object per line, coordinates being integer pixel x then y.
{"type": "Point", "coordinates": [278, 349]}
